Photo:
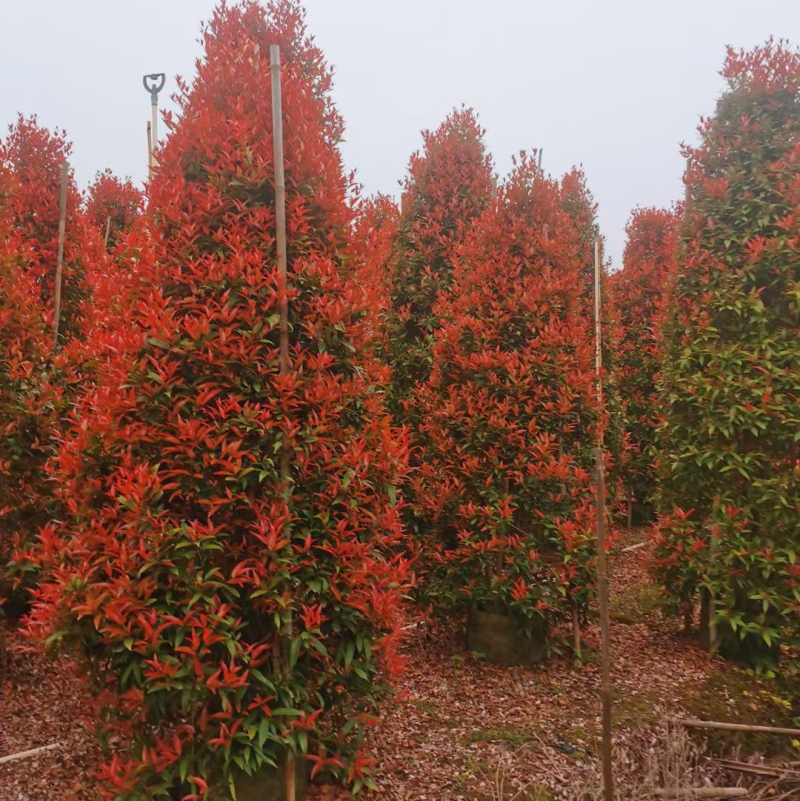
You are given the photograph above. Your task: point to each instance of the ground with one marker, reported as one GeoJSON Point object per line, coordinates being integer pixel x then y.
{"type": "Point", "coordinates": [459, 727]}
{"type": "Point", "coordinates": [43, 702]}
{"type": "Point", "coordinates": [460, 722]}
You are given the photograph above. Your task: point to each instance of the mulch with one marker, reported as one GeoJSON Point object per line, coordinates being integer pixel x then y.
{"type": "Point", "coordinates": [459, 728]}
{"type": "Point", "coordinates": [45, 701]}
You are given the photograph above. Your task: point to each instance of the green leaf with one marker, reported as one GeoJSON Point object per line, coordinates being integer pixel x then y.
{"type": "Point", "coordinates": [294, 650]}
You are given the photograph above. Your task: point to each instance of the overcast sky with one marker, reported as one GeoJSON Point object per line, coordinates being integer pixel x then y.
{"type": "Point", "coordinates": [615, 85]}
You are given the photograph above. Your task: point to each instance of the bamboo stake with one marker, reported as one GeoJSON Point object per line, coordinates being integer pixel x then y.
{"type": "Point", "coordinates": [25, 754]}
{"type": "Point", "coordinates": [149, 151]}
{"type": "Point", "coordinates": [630, 509]}
{"type": "Point", "coordinates": [153, 83]}
{"type": "Point", "coordinates": [707, 629]}
{"type": "Point", "coordinates": [154, 124]}
{"type": "Point", "coordinates": [576, 630]}
{"type": "Point", "coordinates": [708, 626]}
{"type": "Point", "coordinates": [602, 574]}
{"type": "Point", "coordinates": [290, 790]}
{"type": "Point", "coordinates": [634, 547]}
{"type": "Point", "coordinates": [756, 770]}
{"type": "Point", "coordinates": [688, 618]}
{"type": "Point", "coordinates": [108, 231]}
{"type": "Point", "coordinates": [62, 228]}
{"type": "Point", "coordinates": [688, 610]}
{"type": "Point", "coordinates": [687, 196]}
{"type": "Point", "coordinates": [690, 723]}
{"type": "Point", "coordinates": [704, 792]}
{"type": "Point", "coordinates": [713, 640]}
{"type": "Point", "coordinates": [280, 205]}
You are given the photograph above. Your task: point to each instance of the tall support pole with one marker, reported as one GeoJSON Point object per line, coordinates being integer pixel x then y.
{"type": "Point", "coordinates": [630, 508]}
{"type": "Point", "coordinates": [153, 83]}
{"type": "Point", "coordinates": [108, 231]}
{"type": "Point", "coordinates": [576, 630]}
{"type": "Point", "coordinates": [290, 791]}
{"type": "Point", "coordinates": [687, 196]}
{"type": "Point", "coordinates": [280, 204]}
{"type": "Point", "coordinates": [149, 151]}
{"type": "Point", "coordinates": [539, 164]}
{"type": "Point", "coordinates": [154, 119]}
{"type": "Point", "coordinates": [602, 573]}
{"type": "Point", "coordinates": [707, 628]}
{"type": "Point", "coordinates": [62, 229]}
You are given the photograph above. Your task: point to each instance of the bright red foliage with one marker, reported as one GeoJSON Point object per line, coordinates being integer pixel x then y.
{"type": "Point", "coordinates": [24, 344]}
{"type": "Point", "coordinates": [112, 206]}
{"type": "Point", "coordinates": [237, 613]}
{"type": "Point", "coordinates": [638, 292]}
{"type": "Point", "coordinates": [508, 414]}
{"type": "Point", "coordinates": [36, 380]}
{"type": "Point", "coordinates": [374, 235]}
{"type": "Point", "coordinates": [34, 156]}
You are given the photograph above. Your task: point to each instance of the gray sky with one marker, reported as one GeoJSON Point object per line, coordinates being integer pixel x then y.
{"type": "Point", "coordinates": [614, 84]}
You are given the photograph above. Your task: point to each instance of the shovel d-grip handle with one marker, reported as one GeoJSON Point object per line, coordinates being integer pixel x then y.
{"type": "Point", "coordinates": [154, 83]}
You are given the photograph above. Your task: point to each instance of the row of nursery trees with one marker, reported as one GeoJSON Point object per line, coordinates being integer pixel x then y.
{"type": "Point", "coordinates": [235, 547]}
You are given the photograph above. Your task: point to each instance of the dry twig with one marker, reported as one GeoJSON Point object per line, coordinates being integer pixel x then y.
{"type": "Point", "coordinates": [29, 753]}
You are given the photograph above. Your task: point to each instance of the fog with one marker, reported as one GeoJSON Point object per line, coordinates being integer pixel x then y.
{"type": "Point", "coordinates": [614, 85]}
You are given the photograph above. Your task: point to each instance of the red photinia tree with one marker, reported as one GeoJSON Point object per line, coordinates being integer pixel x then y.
{"type": "Point", "coordinates": [448, 184]}
{"type": "Point", "coordinates": [508, 413]}
{"type": "Point", "coordinates": [240, 608]}
{"type": "Point", "coordinates": [34, 156]}
{"type": "Point", "coordinates": [24, 344]}
{"type": "Point", "coordinates": [37, 379]}
{"type": "Point", "coordinates": [638, 291]}
{"type": "Point", "coordinates": [112, 206]}
{"type": "Point", "coordinates": [729, 453]}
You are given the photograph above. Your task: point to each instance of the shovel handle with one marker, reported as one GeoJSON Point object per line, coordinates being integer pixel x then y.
{"type": "Point", "coordinates": [154, 83]}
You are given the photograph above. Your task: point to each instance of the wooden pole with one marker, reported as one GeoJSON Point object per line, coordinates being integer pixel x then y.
{"type": "Point", "coordinates": [108, 231]}
{"type": "Point", "coordinates": [149, 151]}
{"type": "Point", "coordinates": [154, 122]}
{"type": "Point", "coordinates": [687, 197]}
{"type": "Point", "coordinates": [290, 790]}
{"type": "Point", "coordinates": [576, 630]}
{"type": "Point", "coordinates": [690, 723]}
{"type": "Point", "coordinates": [602, 574]}
{"type": "Point", "coordinates": [280, 205]}
{"type": "Point", "coordinates": [708, 628]}
{"type": "Point", "coordinates": [153, 83]}
{"type": "Point", "coordinates": [705, 792]}
{"type": "Point", "coordinates": [25, 754]}
{"type": "Point", "coordinates": [688, 611]}
{"type": "Point", "coordinates": [635, 547]}
{"type": "Point", "coordinates": [62, 228]}
{"type": "Point", "coordinates": [630, 509]}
